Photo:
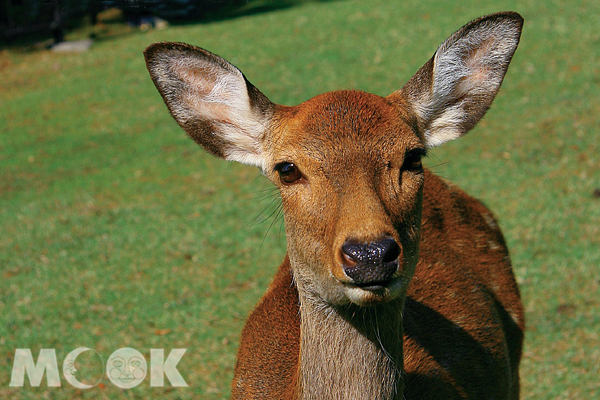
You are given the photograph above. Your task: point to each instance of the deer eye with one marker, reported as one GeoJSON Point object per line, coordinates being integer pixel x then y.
{"type": "Point", "coordinates": [288, 172]}
{"type": "Point", "coordinates": [412, 160]}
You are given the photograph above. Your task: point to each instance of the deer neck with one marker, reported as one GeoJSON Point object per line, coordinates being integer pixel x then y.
{"type": "Point", "coordinates": [350, 352]}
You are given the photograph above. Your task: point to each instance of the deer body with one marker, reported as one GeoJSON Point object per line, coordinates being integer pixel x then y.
{"type": "Point", "coordinates": [395, 285]}
{"type": "Point", "coordinates": [454, 346]}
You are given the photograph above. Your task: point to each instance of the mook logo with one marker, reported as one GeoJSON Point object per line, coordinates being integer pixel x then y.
{"type": "Point", "coordinates": [126, 368]}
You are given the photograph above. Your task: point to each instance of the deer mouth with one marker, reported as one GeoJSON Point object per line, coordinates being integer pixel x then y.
{"type": "Point", "coordinates": [375, 292]}
{"type": "Point", "coordinates": [375, 286]}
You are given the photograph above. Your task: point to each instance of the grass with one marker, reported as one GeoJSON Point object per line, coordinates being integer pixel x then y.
{"type": "Point", "coordinates": [116, 230]}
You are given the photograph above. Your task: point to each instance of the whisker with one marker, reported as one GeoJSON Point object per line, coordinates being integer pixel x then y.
{"type": "Point", "coordinates": [268, 211]}
{"type": "Point", "coordinates": [265, 193]}
{"type": "Point", "coordinates": [281, 224]}
{"type": "Point", "coordinates": [277, 214]}
{"type": "Point", "coordinates": [438, 165]}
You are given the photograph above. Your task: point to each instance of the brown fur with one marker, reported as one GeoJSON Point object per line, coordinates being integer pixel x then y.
{"type": "Point", "coordinates": [448, 323]}
{"type": "Point", "coordinates": [454, 346]}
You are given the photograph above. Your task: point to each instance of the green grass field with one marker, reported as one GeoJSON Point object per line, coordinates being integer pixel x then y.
{"type": "Point", "coordinates": [116, 230]}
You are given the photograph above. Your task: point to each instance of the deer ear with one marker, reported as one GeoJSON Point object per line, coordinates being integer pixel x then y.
{"type": "Point", "coordinates": [211, 100]}
{"type": "Point", "coordinates": [454, 89]}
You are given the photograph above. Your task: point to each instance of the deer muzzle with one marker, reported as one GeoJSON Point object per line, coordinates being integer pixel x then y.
{"type": "Point", "coordinates": [372, 265]}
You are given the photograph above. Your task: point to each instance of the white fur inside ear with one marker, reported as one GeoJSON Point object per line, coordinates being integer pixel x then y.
{"type": "Point", "coordinates": [220, 95]}
{"type": "Point", "coordinates": [445, 127]}
{"type": "Point", "coordinates": [466, 70]}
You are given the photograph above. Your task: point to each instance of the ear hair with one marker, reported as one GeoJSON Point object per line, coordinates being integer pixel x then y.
{"type": "Point", "coordinates": [211, 100]}
{"type": "Point", "coordinates": [455, 88]}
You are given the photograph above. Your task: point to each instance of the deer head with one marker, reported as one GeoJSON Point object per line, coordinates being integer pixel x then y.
{"type": "Point", "coordinates": [347, 163]}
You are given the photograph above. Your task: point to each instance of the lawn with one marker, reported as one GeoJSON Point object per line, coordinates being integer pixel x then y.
{"type": "Point", "coordinates": [118, 231]}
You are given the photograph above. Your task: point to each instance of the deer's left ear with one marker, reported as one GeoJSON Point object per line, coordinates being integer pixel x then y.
{"type": "Point", "coordinates": [452, 91]}
{"type": "Point", "coordinates": [211, 100]}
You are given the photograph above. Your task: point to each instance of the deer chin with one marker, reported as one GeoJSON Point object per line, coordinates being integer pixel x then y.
{"type": "Point", "coordinates": [375, 293]}
{"type": "Point", "coordinates": [335, 291]}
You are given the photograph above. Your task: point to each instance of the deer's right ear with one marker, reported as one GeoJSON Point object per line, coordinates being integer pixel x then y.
{"type": "Point", "coordinates": [211, 100]}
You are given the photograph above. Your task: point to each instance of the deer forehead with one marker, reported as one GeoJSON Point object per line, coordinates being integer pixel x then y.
{"type": "Point", "coordinates": [342, 129]}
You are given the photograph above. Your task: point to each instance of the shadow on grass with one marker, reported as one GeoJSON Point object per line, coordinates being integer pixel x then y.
{"type": "Point", "coordinates": [250, 7]}
{"type": "Point", "coordinates": [115, 24]}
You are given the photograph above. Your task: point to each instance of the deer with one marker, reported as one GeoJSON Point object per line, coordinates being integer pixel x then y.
{"type": "Point", "coordinates": [396, 284]}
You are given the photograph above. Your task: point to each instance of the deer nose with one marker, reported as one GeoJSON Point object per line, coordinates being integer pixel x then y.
{"type": "Point", "coordinates": [371, 265]}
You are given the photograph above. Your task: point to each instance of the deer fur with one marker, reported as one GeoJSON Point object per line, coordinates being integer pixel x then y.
{"type": "Point", "coordinates": [448, 324]}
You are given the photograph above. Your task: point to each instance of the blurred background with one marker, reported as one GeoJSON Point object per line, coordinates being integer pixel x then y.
{"type": "Point", "coordinates": [30, 19]}
{"type": "Point", "coordinates": [116, 230]}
